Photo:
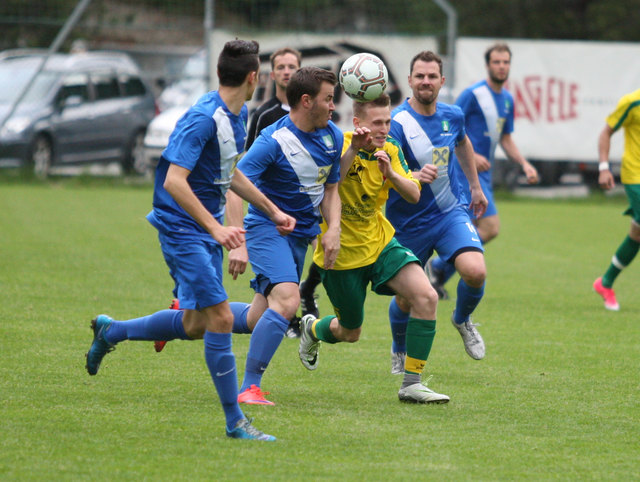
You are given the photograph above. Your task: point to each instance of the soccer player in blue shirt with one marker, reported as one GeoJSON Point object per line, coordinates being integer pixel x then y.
{"type": "Point", "coordinates": [429, 132]}
{"type": "Point", "coordinates": [489, 111]}
{"type": "Point", "coordinates": [195, 171]}
{"type": "Point", "coordinates": [295, 163]}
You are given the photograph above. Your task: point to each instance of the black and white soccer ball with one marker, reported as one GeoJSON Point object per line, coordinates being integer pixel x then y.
{"type": "Point", "coordinates": [363, 77]}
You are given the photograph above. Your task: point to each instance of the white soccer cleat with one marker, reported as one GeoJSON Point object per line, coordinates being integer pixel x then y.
{"type": "Point", "coordinates": [420, 393]}
{"type": "Point", "coordinates": [473, 342]}
{"type": "Point", "coordinates": [308, 349]}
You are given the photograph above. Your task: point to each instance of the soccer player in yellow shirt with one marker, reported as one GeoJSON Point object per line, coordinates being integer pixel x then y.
{"type": "Point", "coordinates": [627, 116]}
{"type": "Point", "coordinates": [371, 164]}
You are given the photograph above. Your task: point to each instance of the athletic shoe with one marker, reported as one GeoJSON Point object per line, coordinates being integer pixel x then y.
{"type": "Point", "coordinates": [159, 345]}
{"type": "Point", "coordinates": [254, 396]}
{"type": "Point", "coordinates": [473, 342]}
{"type": "Point", "coordinates": [308, 304]}
{"type": "Point", "coordinates": [245, 430]}
{"type": "Point", "coordinates": [436, 278]}
{"type": "Point", "coordinates": [420, 393]}
{"type": "Point", "coordinates": [608, 295]}
{"type": "Point", "coordinates": [294, 328]}
{"type": "Point", "coordinates": [397, 362]}
{"type": "Point", "coordinates": [99, 346]}
{"type": "Point", "coordinates": [308, 349]}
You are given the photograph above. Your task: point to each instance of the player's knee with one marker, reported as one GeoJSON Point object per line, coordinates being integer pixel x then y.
{"type": "Point", "coordinates": [474, 275]}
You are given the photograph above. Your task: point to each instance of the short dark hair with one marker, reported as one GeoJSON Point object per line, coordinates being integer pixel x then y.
{"type": "Point", "coordinates": [426, 56]}
{"type": "Point", "coordinates": [237, 59]}
{"type": "Point", "coordinates": [359, 108]}
{"type": "Point", "coordinates": [307, 80]}
{"type": "Point", "coordinates": [497, 47]}
{"type": "Point", "coordinates": [283, 51]}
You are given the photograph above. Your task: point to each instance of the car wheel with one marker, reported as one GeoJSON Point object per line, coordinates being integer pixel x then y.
{"type": "Point", "coordinates": [41, 156]}
{"type": "Point", "coordinates": [135, 161]}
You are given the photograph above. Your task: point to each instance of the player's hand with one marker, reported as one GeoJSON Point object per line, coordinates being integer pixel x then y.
{"type": "Point", "coordinates": [530, 172]}
{"type": "Point", "coordinates": [238, 259]}
{"type": "Point", "coordinates": [331, 245]}
{"type": "Point", "coordinates": [479, 202]}
{"type": "Point", "coordinates": [361, 138]}
{"type": "Point", "coordinates": [605, 179]}
{"type": "Point", "coordinates": [482, 163]}
{"type": "Point", "coordinates": [384, 164]}
{"type": "Point", "coordinates": [285, 224]}
{"type": "Point", "coordinates": [427, 174]}
{"type": "Point", "coordinates": [231, 237]}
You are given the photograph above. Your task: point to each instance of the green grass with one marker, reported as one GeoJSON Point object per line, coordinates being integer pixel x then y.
{"type": "Point", "coordinates": [555, 398]}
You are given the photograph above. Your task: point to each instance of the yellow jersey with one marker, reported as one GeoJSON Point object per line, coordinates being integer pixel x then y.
{"type": "Point", "coordinates": [627, 115]}
{"type": "Point", "coordinates": [364, 229]}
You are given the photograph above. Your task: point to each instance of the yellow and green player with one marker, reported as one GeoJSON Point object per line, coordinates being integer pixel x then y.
{"type": "Point", "coordinates": [371, 164]}
{"type": "Point", "coordinates": [627, 116]}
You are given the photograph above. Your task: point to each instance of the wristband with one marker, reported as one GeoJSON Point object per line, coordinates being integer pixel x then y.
{"type": "Point", "coordinates": [603, 166]}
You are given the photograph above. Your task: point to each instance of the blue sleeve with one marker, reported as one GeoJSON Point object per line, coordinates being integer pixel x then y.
{"type": "Point", "coordinates": [334, 175]}
{"type": "Point", "coordinates": [258, 158]}
{"type": "Point", "coordinates": [397, 133]}
{"type": "Point", "coordinates": [188, 138]}
{"type": "Point", "coordinates": [458, 119]}
{"type": "Point", "coordinates": [508, 121]}
{"type": "Point", "coordinates": [465, 100]}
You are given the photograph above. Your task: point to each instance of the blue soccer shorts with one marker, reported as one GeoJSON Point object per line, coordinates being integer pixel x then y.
{"type": "Point", "coordinates": [449, 234]}
{"type": "Point", "coordinates": [274, 258]}
{"type": "Point", "coordinates": [195, 263]}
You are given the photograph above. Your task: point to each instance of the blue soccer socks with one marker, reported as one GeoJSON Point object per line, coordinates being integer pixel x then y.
{"type": "Point", "coordinates": [265, 340]}
{"type": "Point", "coordinates": [162, 325]}
{"type": "Point", "coordinates": [222, 367]}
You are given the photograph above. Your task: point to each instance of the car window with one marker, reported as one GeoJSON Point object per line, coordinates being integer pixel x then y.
{"type": "Point", "coordinates": [132, 86]}
{"type": "Point", "coordinates": [106, 86]}
{"type": "Point", "coordinates": [74, 85]}
{"type": "Point", "coordinates": [16, 74]}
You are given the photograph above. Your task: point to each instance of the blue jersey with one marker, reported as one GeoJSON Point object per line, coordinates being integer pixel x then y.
{"type": "Point", "coordinates": [208, 141]}
{"type": "Point", "coordinates": [426, 140]}
{"type": "Point", "coordinates": [488, 115]}
{"type": "Point", "coordinates": [291, 167]}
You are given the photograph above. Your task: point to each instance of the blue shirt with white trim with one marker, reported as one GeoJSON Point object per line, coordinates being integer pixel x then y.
{"type": "Point", "coordinates": [208, 140]}
{"type": "Point", "coordinates": [291, 167]}
{"type": "Point", "coordinates": [426, 140]}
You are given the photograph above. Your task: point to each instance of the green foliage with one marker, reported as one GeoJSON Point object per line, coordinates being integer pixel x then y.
{"type": "Point", "coordinates": [556, 396]}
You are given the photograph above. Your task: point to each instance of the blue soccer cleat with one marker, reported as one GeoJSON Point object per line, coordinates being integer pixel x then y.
{"type": "Point", "coordinates": [245, 430]}
{"type": "Point", "coordinates": [99, 346]}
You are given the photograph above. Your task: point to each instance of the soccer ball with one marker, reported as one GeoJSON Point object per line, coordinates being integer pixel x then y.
{"type": "Point", "coordinates": [363, 77]}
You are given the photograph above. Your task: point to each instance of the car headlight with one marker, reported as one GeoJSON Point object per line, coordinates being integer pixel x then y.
{"type": "Point", "coordinates": [15, 126]}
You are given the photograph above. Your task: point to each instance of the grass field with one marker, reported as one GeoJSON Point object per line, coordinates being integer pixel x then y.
{"type": "Point", "coordinates": [555, 398]}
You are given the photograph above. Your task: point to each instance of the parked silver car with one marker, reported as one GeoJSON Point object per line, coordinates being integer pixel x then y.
{"type": "Point", "coordinates": [80, 108]}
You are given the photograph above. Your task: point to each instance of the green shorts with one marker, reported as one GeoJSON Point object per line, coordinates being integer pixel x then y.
{"type": "Point", "coordinates": [633, 194]}
{"type": "Point", "coordinates": [347, 289]}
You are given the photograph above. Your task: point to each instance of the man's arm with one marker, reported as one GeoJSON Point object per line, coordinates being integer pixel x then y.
{"type": "Point", "coordinates": [605, 178]}
{"type": "Point", "coordinates": [178, 187]}
{"type": "Point", "coordinates": [331, 207]}
{"type": "Point", "coordinates": [243, 187]}
{"type": "Point", "coordinates": [238, 257]}
{"type": "Point", "coordinates": [513, 153]}
{"type": "Point", "coordinates": [465, 154]}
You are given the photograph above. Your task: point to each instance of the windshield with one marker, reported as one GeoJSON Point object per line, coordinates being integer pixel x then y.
{"type": "Point", "coordinates": [14, 76]}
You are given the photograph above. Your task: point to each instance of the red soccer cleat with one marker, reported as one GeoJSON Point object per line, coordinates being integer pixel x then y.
{"type": "Point", "coordinates": [159, 345]}
{"type": "Point", "coordinates": [254, 396]}
{"type": "Point", "coordinates": [608, 295]}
